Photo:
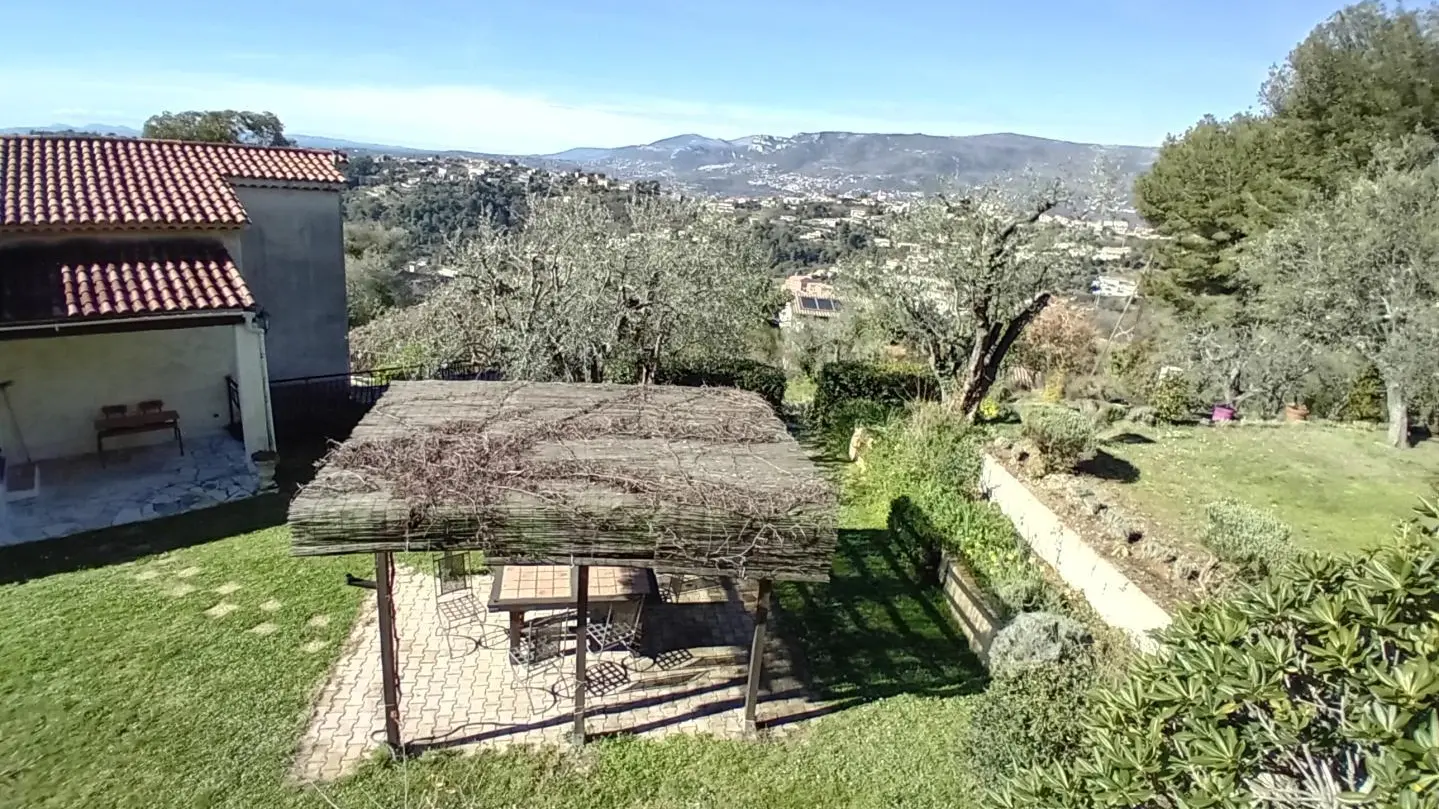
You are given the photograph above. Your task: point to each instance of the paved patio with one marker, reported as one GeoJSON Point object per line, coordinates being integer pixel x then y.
{"type": "Point", "coordinates": [78, 494]}
{"type": "Point", "coordinates": [457, 690]}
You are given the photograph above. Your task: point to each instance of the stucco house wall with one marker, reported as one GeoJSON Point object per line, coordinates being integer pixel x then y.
{"type": "Point", "coordinates": [59, 383]}
{"type": "Point", "coordinates": [293, 259]}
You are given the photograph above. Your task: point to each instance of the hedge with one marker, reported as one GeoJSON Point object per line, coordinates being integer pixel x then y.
{"type": "Point", "coordinates": [766, 380]}
{"type": "Point", "coordinates": [888, 385]}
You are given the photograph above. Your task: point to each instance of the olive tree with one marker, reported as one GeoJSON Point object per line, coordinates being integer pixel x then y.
{"type": "Point", "coordinates": [968, 274]}
{"type": "Point", "coordinates": [1362, 273]}
{"type": "Point", "coordinates": [582, 291]}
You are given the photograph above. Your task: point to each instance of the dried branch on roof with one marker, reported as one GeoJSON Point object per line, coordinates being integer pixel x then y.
{"type": "Point", "coordinates": [704, 480]}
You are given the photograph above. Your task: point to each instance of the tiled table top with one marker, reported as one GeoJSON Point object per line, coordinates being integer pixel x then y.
{"type": "Point", "coordinates": [551, 585]}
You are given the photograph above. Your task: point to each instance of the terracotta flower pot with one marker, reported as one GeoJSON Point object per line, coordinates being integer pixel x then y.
{"type": "Point", "coordinates": [1297, 412]}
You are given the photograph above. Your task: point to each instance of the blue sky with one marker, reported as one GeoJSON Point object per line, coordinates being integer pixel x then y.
{"type": "Point", "coordinates": [535, 76]}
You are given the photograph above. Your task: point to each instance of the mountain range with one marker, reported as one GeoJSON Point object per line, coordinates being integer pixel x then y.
{"type": "Point", "coordinates": [834, 162]}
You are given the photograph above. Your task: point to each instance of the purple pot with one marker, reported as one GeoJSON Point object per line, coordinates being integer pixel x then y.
{"type": "Point", "coordinates": [1222, 413]}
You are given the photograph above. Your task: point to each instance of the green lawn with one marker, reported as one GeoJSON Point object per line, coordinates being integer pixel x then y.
{"type": "Point", "coordinates": [122, 685]}
{"type": "Point", "coordinates": [872, 631]}
{"type": "Point", "coordinates": [1340, 488]}
{"type": "Point", "coordinates": [119, 689]}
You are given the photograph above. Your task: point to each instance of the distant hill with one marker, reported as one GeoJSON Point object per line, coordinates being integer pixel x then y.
{"type": "Point", "coordinates": [848, 161]}
{"type": "Point", "coordinates": [833, 162]}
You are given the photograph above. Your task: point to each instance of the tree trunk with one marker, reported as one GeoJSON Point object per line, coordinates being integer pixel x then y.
{"type": "Point", "coordinates": [1398, 415]}
{"type": "Point", "coordinates": [991, 345]}
{"type": "Point", "coordinates": [1232, 388]}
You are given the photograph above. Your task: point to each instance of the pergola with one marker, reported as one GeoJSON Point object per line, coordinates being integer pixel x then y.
{"type": "Point", "coordinates": [700, 481]}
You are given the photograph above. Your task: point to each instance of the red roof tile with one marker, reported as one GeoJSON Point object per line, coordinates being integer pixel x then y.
{"type": "Point", "coordinates": [98, 280]}
{"type": "Point", "coordinates": [65, 183]}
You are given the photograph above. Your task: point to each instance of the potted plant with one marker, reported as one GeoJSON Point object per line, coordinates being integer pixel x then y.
{"type": "Point", "coordinates": [265, 461]}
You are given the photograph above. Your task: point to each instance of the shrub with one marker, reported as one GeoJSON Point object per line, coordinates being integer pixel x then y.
{"type": "Point", "coordinates": [1037, 639]}
{"type": "Point", "coordinates": [1364, 400]}
{"type": "Point", "coordinates": [1060, 435]}
{"type": "Point", "coordinates": [1062, 338]}
{"type": "Point", "coordinates": [889, 385]}
{"type": "Point", "coordinates": [1253, 538]}
{"type": "Point", "coordinates": [1172, 397]}
{"type": "Point", "coordinates": [924, 472]}
{"type": "Point", "coordinates": [989, 409]}
{"type": "Point", "coordinates": [1053, 392]}
{"type": "Point", "coordinates": [837, 431]}
{"type": "Point", "coordinates": [757, 377]}
{"type": "Point", "coordinates": [1132, 366]}
{"type": "Point", "coordinates": [1316, 687]}
{"type": "Point", "coordinates": [1027, 720]}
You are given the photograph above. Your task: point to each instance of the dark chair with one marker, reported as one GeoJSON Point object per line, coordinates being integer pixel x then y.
{"type": "Point", "coordinates": [621, 628]}
{"type": "Point", "coordinates": [455, 600]}
{"type": "Point", "coordinates": [535, 662]}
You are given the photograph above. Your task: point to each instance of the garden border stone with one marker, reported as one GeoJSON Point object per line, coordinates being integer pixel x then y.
{"type": "Point", "coordinates": [1117, 600]}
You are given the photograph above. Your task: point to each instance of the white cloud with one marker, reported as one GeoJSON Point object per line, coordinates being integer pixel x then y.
{"type": "Point", "coordinates": [437, 116]}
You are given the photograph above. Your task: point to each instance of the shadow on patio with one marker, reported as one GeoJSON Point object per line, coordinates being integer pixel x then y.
{"type": "Point", "coordinates": [874, 630]}
{"type": "Point", "coordinates": [113, 546]}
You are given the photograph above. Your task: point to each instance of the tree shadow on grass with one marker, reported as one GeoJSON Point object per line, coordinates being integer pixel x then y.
{"type": "Point", "coordinates": [874, 629]}
{"type": "Point", "coordinates": [113, 546]}
{"type": "Point", "coordinates": [1129, 438]}
{"type": "Point", "coordinates": [1108, 467]}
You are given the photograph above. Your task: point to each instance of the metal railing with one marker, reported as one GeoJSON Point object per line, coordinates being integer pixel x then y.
{"type": "Point", "coordinates": [327, 407]}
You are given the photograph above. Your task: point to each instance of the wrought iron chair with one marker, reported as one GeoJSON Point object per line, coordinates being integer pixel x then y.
{"type": "Point", "coordinates": [536, 662]}
{"type": "Point", "coordinates": [673, 586]}
{"type": "Point", "coordinates": [455, 599]}
{"type": "Point", "coordinates": [621, 628]}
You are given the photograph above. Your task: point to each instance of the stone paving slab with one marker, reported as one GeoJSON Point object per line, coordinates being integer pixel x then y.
{"type": "Point", "coordinates": [458, 691]}
{"type": "Point", "coordinates": [78, 494]}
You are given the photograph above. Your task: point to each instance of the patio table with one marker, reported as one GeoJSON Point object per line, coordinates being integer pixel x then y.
{"type": "Point", "coordinates": [519, 588]}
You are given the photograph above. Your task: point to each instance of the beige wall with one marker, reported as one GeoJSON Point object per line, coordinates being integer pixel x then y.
{"type": "Point", "coordinates": [60, 383]}
{"type": "Point", "coordinates": [1118, 600]}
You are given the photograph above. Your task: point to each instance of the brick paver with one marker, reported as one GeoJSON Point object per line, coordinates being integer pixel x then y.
{"type": "Point", "coordinates": [457, 688]}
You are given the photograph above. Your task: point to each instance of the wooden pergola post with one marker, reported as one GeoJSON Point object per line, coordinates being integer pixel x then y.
{"type": "Point", "coordinates": [389, 674]}
{"type": "Point", "coordinates": [582, 620]}
{"type": "Point", "coordinates": [756, 656]}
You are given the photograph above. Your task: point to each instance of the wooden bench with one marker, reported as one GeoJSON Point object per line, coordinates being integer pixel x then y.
{"type": "Point", "coordinates": [151, 418]}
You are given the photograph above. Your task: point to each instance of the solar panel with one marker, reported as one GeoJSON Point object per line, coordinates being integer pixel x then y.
{"type": "Point", "coordinates": [824, 304]}
{"type": "Point", "coordinates": [808, 303]}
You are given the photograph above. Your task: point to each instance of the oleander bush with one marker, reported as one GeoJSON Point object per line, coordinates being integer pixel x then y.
{"type": "Point", "coordinates": [1317, 687]}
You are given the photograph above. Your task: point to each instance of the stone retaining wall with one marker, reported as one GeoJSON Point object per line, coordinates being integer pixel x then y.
{"type": "Point", "coordinates": [1116, 599]}
{"type": "Point", "coordinates": [976, 613]}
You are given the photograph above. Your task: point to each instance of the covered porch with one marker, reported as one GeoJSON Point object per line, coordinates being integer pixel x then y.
{"type": "Point", "coordinates": [116, 407]}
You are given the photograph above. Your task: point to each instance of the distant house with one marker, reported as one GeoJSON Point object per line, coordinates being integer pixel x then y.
{"type": "Point", "coordinates": [186, 276]}
{"type": "Point", "coordinates": [811, 297]}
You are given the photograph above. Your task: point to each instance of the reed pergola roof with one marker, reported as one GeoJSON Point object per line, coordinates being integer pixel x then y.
{"type": "Point", "coordinates": [690, 480]}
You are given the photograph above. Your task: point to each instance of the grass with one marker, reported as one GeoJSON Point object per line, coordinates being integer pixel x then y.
{"type": "Point", "coordinates": [800, 389]}
{"type": "Point", "coordinates": [900, 752]}
{"type": "Point", "coordinates": [119, 689]}
{"type": "Point", "coordinates": [1340, 488]}
{"type": "Point", "coordinates": [872, 631]}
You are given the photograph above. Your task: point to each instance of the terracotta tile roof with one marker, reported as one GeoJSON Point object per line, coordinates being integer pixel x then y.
{"type": "Point", "coordinates": [95, 280]}
{"type": "Point", "coordinates": [64, 183]}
